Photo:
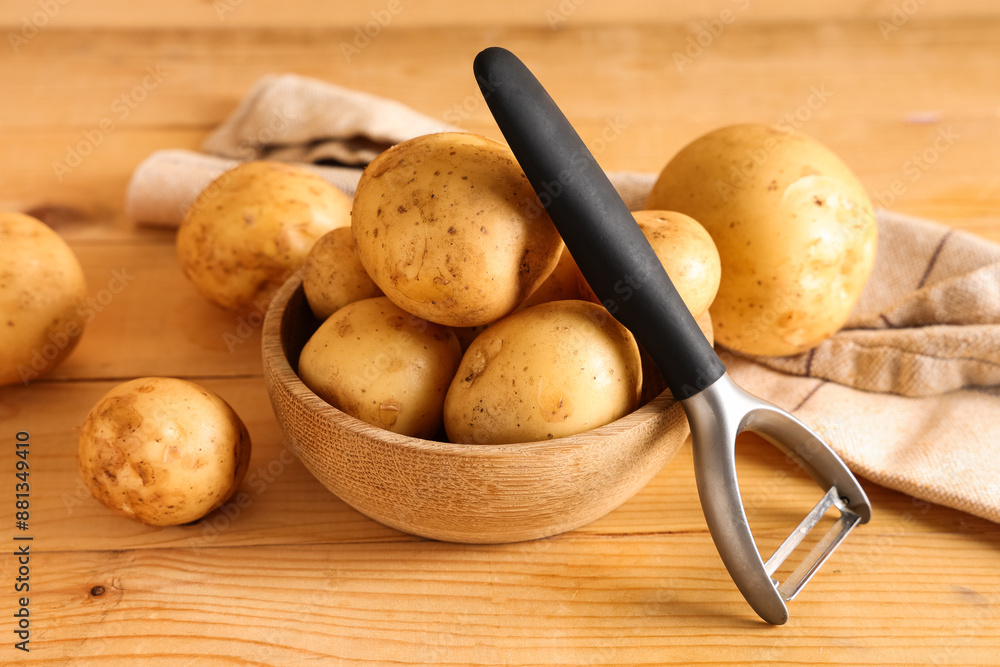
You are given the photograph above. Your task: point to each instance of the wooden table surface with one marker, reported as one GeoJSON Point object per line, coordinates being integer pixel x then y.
{"type": "Point", "coordinates": [297, 577]}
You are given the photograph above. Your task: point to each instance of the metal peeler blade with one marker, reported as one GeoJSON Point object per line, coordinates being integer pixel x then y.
{"type": "Point", "coordinates": [717, 415]}
{"type": "Point", "coordinates": [611, 251]}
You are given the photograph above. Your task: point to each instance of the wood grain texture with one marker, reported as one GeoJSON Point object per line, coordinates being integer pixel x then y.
{"type": "Point", "coordinates": [287, 573]}
{"type": "Point", "coordinates": [176, 322]}
{"type": "Point", "coordinates": [881, 102]}
{"type": "Point", "coordinates": [549, 14]}
{"type": "Point", "coordinates": [296, 575]}
{"type": "Point", "coordinates": [575, 600]}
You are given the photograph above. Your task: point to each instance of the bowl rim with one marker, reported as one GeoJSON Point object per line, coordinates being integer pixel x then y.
{"type": "Point", "coordinates": [278, 368]}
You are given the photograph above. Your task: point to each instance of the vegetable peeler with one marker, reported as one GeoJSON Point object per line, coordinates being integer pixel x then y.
{"type": "Point", "coordinates": [627, 276]}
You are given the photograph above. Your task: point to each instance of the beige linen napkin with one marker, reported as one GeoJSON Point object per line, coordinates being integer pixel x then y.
{"type": "Point", "coordinates": [333, 130]}
{"type": "Point", "coordinates": [908, 392]}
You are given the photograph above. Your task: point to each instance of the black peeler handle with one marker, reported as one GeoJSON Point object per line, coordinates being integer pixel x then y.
{"type": "Point", "coordinates": [598, 228]}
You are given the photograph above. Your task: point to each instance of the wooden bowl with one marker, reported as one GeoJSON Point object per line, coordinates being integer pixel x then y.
{"type": "Point", "coordinates": [454, 492]}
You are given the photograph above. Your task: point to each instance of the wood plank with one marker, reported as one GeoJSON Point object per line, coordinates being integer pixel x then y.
{"type": "Point", "coordinates": [882, 124]}
{"type": "Point", "coordinates": [283, 504]}
{"type": "Point", "coordinates": [959, 187]}
{"type": "Point", "coordinates": [146, 318]}
{"type": "Point", "coordinates": [755, 70]}
{"type": "Point", "coordinates": [549, 14]}
{"type": "Point", "coordinates": [93, 192]}
{"type": "Point", "coordinates": [634, 600]}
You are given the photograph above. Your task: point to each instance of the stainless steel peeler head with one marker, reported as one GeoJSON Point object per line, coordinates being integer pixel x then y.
{"type": "Point", "coordinates": [717, 414]}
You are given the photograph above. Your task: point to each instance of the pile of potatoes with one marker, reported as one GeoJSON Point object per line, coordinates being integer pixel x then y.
{"type": "Point", "coordinates": [452, 309]}
{"type": "Point", "coordinates": [449, 308]}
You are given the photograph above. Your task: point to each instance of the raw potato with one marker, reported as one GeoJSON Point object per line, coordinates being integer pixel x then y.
{"type": "Point", "coordinates": [252, 228]}
{"type": "Point", "coordinates": [334, 276]}
{"type": "Point", "coordinates": [795, 231]}
{"type": "Point", "coordinates": [383, 365]}
{"type": "Point", "coordinates": [549, 371]}
{"type": "Point", "coordinates": [42, 292]}
{"type": "Point", "coordinates": [562, 284]}
{"type": "Point", "coordinates": [449, 228]}
{"type": "Point", "coordinates": [687, 253]}
{"type": "Point", "coordinates": [163, 451]}
{"type": "Point", "coordinates": [468, 334]}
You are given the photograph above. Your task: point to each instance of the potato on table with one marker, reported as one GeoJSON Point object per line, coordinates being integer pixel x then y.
{"type": "Point", "coordinates": [42, 292]}
{"type": "Point", "coordinates": [252, 228]}
{"type": "Point", "coordinates": [449, 228]}
{"type": "Point", "coordinates": [382, 365]}
{"type": "Point", "coordinates": [794, 228]}
{"type": "Point", "coordinates": [163, 451]}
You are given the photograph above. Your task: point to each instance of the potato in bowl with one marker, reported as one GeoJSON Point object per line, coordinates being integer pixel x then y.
{"type": "Point", "coordinates": [487, 493]}
{"type": "Point", "coordinates": [545, 429]}
{"type": "Point", "coordinates": [552, 370]}
{"type": "Point", "coordinates": [449, 228]}
{"type": "Point", "coordinates": [377, 362]}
